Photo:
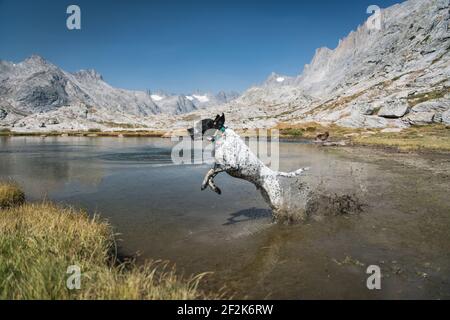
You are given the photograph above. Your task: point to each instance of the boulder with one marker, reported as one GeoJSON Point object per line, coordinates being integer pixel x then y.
{"type": "Point", "coordinates": [394, 109]}
{"type": "Point", "coordinates": [365, 107]}
{"type": "Point", "coordinates": [430, 106]}
{"type": "Point", "coordinates": [368, 109]}
{"type": "Point", "coordinates": [438, 107]}
{"type": "Point", "coordinates": [420, 118]}
{"type": "Point", "coordinates": [353, 121]}
{"type": "Point", "coordinates": [446, 117]}
{"type": "Point", "coordinates": [375, 122]}
{"type": "Point", "coordinates": [369, 122]}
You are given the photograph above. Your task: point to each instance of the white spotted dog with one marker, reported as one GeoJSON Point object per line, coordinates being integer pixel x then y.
{"type": "Point", "coordinates": [232, 156]}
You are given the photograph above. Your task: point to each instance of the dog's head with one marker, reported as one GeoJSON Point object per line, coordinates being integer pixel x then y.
{"type": "Point", "coordinates": [206, 125]}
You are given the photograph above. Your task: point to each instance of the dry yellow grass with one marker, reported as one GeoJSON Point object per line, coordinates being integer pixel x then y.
{"type": "Point", "coordinates": [310, 130]}
{"type": "Point", "coordinates": [431, 137]}
{"type": "Point", "coordinates": [10, 194]}
{"type": "Point", "coordinates": [426, 138]}
{"type": "Point", "coordinates": [40, 241]}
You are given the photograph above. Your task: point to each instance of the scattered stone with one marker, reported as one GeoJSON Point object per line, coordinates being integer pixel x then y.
{"type": "Point", "coordinates": [391, 130]}
{"type": "Point", "coordinates": [323, 136]}
{"type": "Point", "coordinates": [368, 133]}
{"type": "Point", "coordinates": [349, 135]}
{"type": "Point", "coordinates": [52, 121]}
{"type": "Point", "coordinates": [341, 143]}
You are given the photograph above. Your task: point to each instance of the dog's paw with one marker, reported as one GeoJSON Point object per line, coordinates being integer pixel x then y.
{"type": "Point", "coordinates": [218, 191]}
{"type": "Point", "coordinates": [203, 187]}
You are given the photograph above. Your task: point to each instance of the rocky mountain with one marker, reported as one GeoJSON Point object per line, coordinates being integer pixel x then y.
{"type": "Point", "coordinates": [278, 80]}
{"type": "Point", "coordinates": [395, 76]}
{"type": "Point", "coordinates": [180, 104]}
{"type": "Point", "coordinates": [35, 93]}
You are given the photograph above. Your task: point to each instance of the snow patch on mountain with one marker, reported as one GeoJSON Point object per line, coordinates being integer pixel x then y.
{"type": "Point", "coordinates": [156, 97]}
{"type": "Point", "coordinates": [203, 98]}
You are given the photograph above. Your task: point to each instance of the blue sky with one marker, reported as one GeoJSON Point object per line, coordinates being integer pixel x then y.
{"type": "Point", "coordinates": [179, 45]}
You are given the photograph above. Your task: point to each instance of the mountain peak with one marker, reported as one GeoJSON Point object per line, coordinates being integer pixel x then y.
{"type": "Point", "coordinates": [278, 79]}
{"type": "Point", "coordinates": [89, 74]}
{"type": "Point", "coordinates": [36, 59]}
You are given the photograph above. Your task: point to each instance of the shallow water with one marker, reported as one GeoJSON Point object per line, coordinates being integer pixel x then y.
{"type": "Point", "coordinates": [161, 213]}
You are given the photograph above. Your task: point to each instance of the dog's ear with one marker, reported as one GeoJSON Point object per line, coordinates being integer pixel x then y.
{"type": "Point", "coordinates": [221, 121]}
{"type": "Point", "coordinates": [191, 133]}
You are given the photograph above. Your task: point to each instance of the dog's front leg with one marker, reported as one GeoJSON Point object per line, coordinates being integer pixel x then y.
{"type": "Point", "coordinates": [208, 176]}
{"type": "Point", "coordinates": [207, 181]}
{"type": "Point", "coordinates": [213, 186]}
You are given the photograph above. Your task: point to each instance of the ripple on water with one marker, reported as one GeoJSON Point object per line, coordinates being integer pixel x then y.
{"type": "Point", "coordinates": [150, 156]}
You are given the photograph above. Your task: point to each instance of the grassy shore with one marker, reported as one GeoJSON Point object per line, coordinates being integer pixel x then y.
{"type": "Point", "coordinates": [435, 138]}
{"type": "Point", "coordinates": [39, 241]}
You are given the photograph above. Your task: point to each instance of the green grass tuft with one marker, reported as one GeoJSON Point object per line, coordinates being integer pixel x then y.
{"type": "Point", "coordinates": [39, 241]}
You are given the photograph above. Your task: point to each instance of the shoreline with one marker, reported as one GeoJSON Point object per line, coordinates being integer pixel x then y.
{"type": "Point", "coordinates": [419, 139]}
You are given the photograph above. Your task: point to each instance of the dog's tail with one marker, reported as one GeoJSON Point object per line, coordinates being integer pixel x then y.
{"type": "Point", "coordinates": [292, 174]}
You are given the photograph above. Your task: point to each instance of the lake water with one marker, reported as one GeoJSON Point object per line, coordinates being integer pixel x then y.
{"type": "Point", "coordinates": [160, 213]}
